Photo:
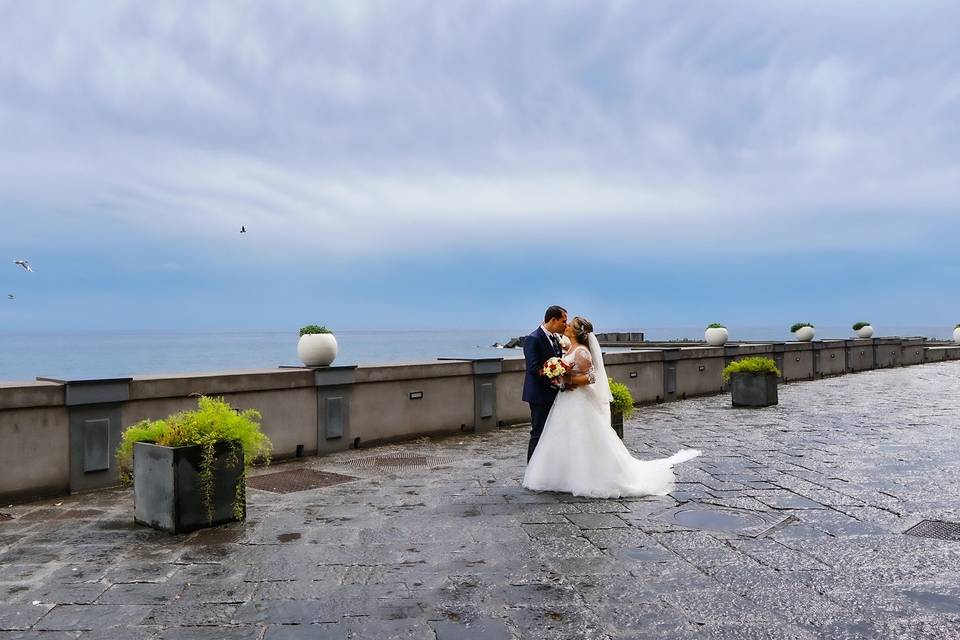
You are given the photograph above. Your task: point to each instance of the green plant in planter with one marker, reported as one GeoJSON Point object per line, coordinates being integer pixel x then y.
{"type": "Point", "coordinates": [313, 328]}
{"type": "Point", "coordinates": [800, 325]}
{"type": "Point", "coordinates": [860, 325]}
{"type": "Point", "coordinates": [716, 325]}
{"type": "Point", "coordinates": [750, 365]}
{"type": "Point", "coordinates": [213, 421]}
{"type": "Point", "coordinates": [622, 398]}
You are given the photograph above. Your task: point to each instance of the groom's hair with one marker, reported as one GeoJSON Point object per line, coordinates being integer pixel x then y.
{"type": "Point", "coordinates": [553, 313]}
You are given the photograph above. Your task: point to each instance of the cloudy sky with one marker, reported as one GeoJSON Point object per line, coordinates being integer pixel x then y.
{"type": "Point", "coordinates": [464, 164]}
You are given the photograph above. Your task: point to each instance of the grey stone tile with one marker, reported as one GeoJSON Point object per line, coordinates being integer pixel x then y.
{"type": "Point", "coordinates": [75, 617]}
{"type": "Point", "coordinates": [337, 631]}
{"type": "Point", "coordinates": [300, 612]}
{"type": "Point", "coordinates": [477, 630]}
{"type": "Point", "coordinates": [211, 633]}
{"type": "Point", "coordinates": [14, 617]}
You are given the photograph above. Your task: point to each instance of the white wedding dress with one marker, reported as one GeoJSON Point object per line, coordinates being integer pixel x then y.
{"type": "Point", "coordinates": [580, 453]}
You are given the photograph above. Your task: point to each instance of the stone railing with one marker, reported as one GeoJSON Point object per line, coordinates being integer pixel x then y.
{"type": "Point", "coordinates": [59, 435]}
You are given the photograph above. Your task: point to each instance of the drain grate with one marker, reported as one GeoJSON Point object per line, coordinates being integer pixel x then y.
{"type": "Point", "coordinates": [296, 480]}
{"type": "Point", "coordinates": [937, 529]}
{"type": "Point", "coordinates": [4, 517]}
{"type": "Point", "coordinates": [399, 460]}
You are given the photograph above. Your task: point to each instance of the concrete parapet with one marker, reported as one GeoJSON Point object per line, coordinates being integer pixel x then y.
{"type": "Point", "coordinates": [829, 358]}
{"type": "Point", "coordinates": [698, 370]}
{"type": "Point", "coordinates": [795, 360]}
{"type": "Point", "coordinates": [859, 355]}
{"type": "Point", "coordinates": [912, 351]}
{"type": "Point", "coordinates": [640, 371]}
{"type": "Point", "coordinates": [59, 436]}
{"type": "Point", "coordinates": [887, 352]}
{"type": "Point", "coordinates": [26, 395]}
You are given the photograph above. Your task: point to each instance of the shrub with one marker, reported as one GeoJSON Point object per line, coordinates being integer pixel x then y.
{"type": "Point", "coordinates": [750, 365]}
{"type": "Point", "coordinates": [622, 398]}
{"type": "Point", "coordinates": [214, 421]}
{"type": "Point", "coordinates": [860, 325]}
{"type": "Point", "coordinates": [312, 328]}
{"type": "Point", "coordinates": [715, 325]}
{"type": "Point", "coordinates": [958, 326]}
{"type": "Point", "coordinates": [800, 325]}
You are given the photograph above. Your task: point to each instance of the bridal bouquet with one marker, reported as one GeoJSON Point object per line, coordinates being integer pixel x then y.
{"type": "Point", "coordinates": [554, 369]}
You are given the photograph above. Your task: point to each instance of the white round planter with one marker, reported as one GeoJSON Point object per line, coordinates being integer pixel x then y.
{"type": "Point", "coordinates": [804, 334]}
{"type": "Point", "coordinates": [716, 336]}
{"type": "Point", "coordinates": [865, 332]}
{"type": "Point", "coordinates": [956, 335]}
{"type": "Point", "coordinates": [317, 349]}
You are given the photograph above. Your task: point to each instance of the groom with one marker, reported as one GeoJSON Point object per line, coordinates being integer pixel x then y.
{"type": "Point", "coordinates": [538, 347]}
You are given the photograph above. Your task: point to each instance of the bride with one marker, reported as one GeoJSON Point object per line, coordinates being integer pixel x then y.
{"type": "Point", "coordinates": [579, 452]}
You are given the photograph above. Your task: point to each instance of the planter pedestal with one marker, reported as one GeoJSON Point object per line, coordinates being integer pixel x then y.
{"type": "Point", "coordinates": [753, 389]}
{"type": "Point", "coordinates": [616, 421]}
{"type": "Point", "coordinates": [168, 492]}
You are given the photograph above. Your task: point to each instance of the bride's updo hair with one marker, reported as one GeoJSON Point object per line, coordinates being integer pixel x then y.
{"type": "Point", "coordinates": [582, 328]}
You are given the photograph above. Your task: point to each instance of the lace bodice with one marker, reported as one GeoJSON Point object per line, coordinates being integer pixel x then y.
{"type": "Point", "coordinates": [582, 362]}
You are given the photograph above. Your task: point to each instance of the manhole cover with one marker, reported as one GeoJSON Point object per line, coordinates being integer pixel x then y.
{"type": "Point", "coordinates": [5, 517]}
{"type": "Point", "coordinates": [399, 460]}
{"type": "Point", "coordinates": [717, 519]}
{"type": "Point", "coordinates": [296, 480]}
{"type": "Point", "coordinates": [937, 529]}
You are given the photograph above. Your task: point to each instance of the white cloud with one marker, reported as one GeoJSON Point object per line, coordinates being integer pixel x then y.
{"type": "Point", "coordinates": [365, 126]}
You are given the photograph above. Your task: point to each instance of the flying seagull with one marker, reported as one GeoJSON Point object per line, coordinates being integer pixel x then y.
{"type": "Point", "coordinates": [23, 263]}
{"type": "Point", "coordinates": [243, 229]}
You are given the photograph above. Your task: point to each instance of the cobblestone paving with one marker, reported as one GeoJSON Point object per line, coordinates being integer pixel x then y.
{"type": "Point", "coordinates": [790, 526]}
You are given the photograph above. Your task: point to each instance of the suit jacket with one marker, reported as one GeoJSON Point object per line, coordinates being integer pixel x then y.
{"type": "Point", "coordinates": [537, 349]}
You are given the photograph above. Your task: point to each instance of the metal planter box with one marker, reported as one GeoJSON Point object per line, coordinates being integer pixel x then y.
{"type": "Point", "coordinates": [753, 389]}
{"type": "Point", "coordinates": [167, 487]}
{"type": "Point", "coordinates": [616, 421]}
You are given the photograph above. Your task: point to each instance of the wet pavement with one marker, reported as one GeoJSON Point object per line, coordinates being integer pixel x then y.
{"type": "Point", "coordinates": [791, 525]}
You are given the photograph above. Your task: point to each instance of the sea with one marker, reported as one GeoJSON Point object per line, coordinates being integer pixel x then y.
{"type": "Point", "coordinates": [104, 354]}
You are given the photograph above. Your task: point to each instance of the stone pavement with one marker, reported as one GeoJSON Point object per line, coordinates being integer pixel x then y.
{"type": "Point", "coordinates": [790, 526]}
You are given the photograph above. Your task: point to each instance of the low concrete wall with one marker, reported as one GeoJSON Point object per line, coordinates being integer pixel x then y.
{"type": "Point", "coordinates": [887, 352]}
{"type": "Point", "coordinates": [830, 358]}
{"type": "Point", "coordinates": [640, 371]}
{"type": "Point", "coordinates": [699, 371]}
{"type": "Point", "coordinates": [859, 355]}
{"type": "Point", "coordinates": [795, 360]}
{"type": "Point", "coordinates": [55, 434]}
{"type": "Point", "coordinates": [912, 351]}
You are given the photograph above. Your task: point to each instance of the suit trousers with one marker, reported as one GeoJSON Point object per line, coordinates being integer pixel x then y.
{"type": "Point", "coordinates": [538, 418]}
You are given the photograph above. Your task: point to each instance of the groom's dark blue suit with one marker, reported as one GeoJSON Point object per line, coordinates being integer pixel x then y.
{"type": "Point", "coordinates": [537, 391]}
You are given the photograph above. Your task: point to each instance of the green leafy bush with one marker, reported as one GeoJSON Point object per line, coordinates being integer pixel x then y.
{"type": "Point", "coordinates": [313, 328]}
{"type": "Point", "coordinates": [757, 364]}
{"type": "Point", "coordinates": [622, 398]}
{"type": "Point", "coordinates": [860, 325]}
{"type": "Point", "coordinates": [800, 325]}
{"type": "Point", "coordinates": [214, 421]}
{"type": "Point", "coordinates": [715, 325]}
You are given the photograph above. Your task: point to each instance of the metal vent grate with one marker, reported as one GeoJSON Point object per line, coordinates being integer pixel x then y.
{"type": "Point", "coordinates": [937, 529]}
{"type": "Point", "coordinates": [296, 480]}
{"type": "Point", "coordinates": [399, 460]}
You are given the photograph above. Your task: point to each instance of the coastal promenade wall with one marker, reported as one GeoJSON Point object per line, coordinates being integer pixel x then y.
{"type": "Point", "coordinates": [59, 436]}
